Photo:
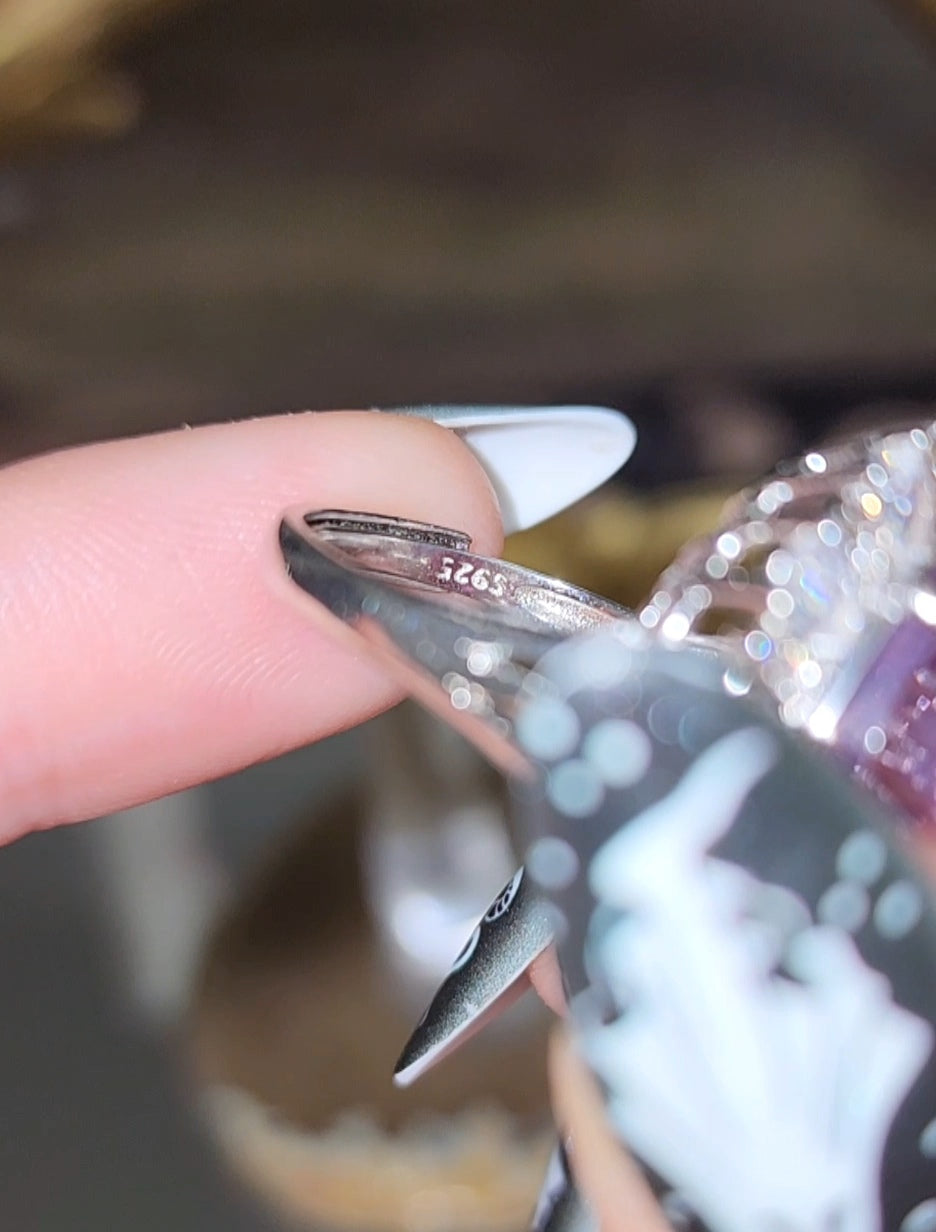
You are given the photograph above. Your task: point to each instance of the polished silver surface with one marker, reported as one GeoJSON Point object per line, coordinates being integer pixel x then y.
{"type": "Point", "coordinates": [464, 649]}
{"type": "Point", "coordinates": [560, 1207]}
{"type": "Point", "coordinates": [439, 559]}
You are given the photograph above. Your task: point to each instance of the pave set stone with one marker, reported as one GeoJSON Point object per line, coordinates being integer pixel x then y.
{"type": "Point", "coordinates": [813, 578]}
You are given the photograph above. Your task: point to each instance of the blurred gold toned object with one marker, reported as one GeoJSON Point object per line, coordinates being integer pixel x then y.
{"type": "Point", "coordinates": [53, 75]}
{"type": "Point", "coordinates": [296, 1022]}
{"type": "Point", "coordinates": [619, 542]}
{"type": "Point", "coordinates": [466, 1172]}
{"type": "Point", "coordinates": [923, 12]}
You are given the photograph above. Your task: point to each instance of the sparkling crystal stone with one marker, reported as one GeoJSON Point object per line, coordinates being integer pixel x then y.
{"type": "Point", "coordinates": [887, 733]}
{"type": "Point", "coordinates": [809, 574]}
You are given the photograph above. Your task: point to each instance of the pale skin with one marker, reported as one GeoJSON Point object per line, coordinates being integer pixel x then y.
{"type": "Point", "coordinates": [151, 640]}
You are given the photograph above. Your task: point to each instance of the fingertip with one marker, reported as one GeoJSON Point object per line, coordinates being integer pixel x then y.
{"type": "Point", "coordinates": [457, 477]}
{"type": "Point", "coordinates": [605, 1173]}
{"type": "Point", "coordinates": [148, 640]}
{"type": "Point", "coordinates": [397, 464]}
{"type": "Point", "coordinates": [546, 978]}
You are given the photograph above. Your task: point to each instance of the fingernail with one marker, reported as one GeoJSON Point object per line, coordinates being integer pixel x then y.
{"type": "Point", "coordinates": [751, 959]}
{"type": "Point", "coordinates": [560, 1207]}
{"type": "Point", "coordinates": [539, 459]}
{"type": "Point", "coordinates": [488, 975]}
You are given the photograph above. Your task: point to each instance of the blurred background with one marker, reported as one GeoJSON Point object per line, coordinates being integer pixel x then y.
{"type": "Point", "coordinates": [718, 216]}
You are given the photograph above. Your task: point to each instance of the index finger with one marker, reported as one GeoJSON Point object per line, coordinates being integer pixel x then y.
{"type": "Point", "coordinates": [146, 641]}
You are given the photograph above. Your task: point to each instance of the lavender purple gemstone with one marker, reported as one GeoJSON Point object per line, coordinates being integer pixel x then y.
{"type": "Point", "coordinates": [887, 734]}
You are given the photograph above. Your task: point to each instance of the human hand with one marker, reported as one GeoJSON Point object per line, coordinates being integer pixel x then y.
{"type": "Point", "coordinates": [148, 641]}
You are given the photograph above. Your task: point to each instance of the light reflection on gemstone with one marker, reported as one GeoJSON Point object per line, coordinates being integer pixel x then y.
{"type": "Point", "coordinates": [928, 1141]}
{"type": "Point", "coordinates": [805, 593]}
{"type": "Point", "coordinates": [875, 741]}
{"type": "Point", "coordinates": [729, 545]}
{"type": "Point", "coordinates": [662, 600]}
{"type": "Point", "coordinates": [780, 603]}
{"type": "Point", "coordinates": [812, 588]}
{"type": "Point", "coordinates": [676, 626]}
{"type": "Point", "coordinates": [575, 789]}
{"type": "Point", "coordinates": [758, 645]}
{"type": "Point", "coordinates": [736, 682]}
{"type": "Point", "coordinates": [809, 674]}
{"type": "Point", "coordinates": [862, 857]}
{"type": "Point", "coordinates": [898, 910]}
{"type": "Point", "coordinates": [922, 1218]}
{"type": "Point", "coordinates": [699, 596]}
{"type": "Point", "coordinates": [780, 566]}
{"type": "Point", "coordinates": [829, 532]}
{"type": "Point", "coordinates": [619, 750]}
{"type": "Point", "coordinates": [845, 904]}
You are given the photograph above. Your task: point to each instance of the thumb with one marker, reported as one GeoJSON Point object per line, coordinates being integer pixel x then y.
{"type": "Point", "coordinates": [145, 642]}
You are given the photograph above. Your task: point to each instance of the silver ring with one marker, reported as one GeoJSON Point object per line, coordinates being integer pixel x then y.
{"type": "Point", "coordinates": [811, 570]}
{"type": "Point", "coordinates": [465, 650]}
{"type": "Point", "coordinates": [423, 556]}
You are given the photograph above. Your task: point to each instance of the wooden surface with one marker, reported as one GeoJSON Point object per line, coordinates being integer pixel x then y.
{"type": "Point", "coordinates": [363, 201]}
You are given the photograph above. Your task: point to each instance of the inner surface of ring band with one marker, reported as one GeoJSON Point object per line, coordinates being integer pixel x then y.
{"type": "Point", "coordinates": [338, 522]}
{"type": "Point", "coordinates": [436, 559]}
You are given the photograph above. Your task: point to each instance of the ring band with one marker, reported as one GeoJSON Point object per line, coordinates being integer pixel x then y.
{"type": "Point", "coordinates": [464, 651]}
{"type": "Point", "coordinates": [418, 554]}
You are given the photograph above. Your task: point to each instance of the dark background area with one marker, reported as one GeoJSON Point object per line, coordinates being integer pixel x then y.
{"type": "Point", "coordinates": [373, 202]}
